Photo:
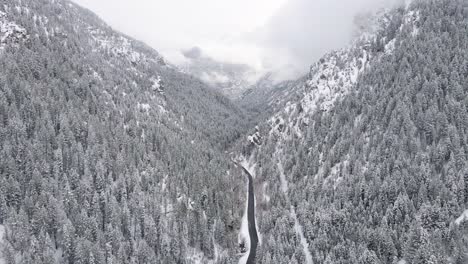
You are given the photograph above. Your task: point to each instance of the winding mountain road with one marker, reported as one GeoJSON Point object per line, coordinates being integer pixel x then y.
{"type": "Point", "coordinates": [251, 219]}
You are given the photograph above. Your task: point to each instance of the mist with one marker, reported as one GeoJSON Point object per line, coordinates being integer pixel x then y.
{"type": "Point", "coordinates": [281, 36]}
{"type": "Point", "coordinates": [303, 31]}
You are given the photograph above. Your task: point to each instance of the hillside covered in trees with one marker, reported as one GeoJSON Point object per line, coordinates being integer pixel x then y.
{"type": "Point", "coordinates": [108, 154]}
{"type": "Point", "coordinates": [373, 165]}
{"type": "Point", "coordinates": [111, 154]}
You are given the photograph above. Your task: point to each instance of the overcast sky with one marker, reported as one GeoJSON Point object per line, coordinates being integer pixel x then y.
{"type": "Point", "coordinates": [263, 33]}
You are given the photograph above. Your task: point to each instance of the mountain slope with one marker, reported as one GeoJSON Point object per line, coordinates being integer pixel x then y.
{"type": "Point", "coordinates": [107, 150]}
{"type": "Point", "coordinates": [372, 157]}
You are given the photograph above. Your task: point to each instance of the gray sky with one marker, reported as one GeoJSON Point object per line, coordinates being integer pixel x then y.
{"type": "Point", "coordinates": [266, 34]}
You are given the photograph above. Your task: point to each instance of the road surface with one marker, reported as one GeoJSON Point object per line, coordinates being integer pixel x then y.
{"type": "Point", "coordinates": [251, 220]}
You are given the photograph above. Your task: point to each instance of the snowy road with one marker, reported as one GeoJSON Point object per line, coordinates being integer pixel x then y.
{"type": "Point", "coordinates": [251, 223]}
{"type": "Point", "coordinates": [251, 218]}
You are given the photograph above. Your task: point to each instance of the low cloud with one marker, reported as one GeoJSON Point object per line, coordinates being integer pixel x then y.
{"type": "Point", "coordinates": [304, 30]}
{"type": "Point", "coordinates": [283, 36]}
{"type": "Point", "coordinates": [192, 53]}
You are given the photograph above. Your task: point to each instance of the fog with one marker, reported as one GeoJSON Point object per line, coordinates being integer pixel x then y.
{"type": "Point", "coordinates": [284, 36]}
{"type": "Point", "coordinates": [304, 30]}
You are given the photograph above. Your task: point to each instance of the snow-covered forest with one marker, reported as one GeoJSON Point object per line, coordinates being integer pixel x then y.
{"type": "Point", "coordinates": [109, 153]}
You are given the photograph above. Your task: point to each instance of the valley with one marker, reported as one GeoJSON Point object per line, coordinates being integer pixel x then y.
{"type": "Point", "coordinates": [109, 153]}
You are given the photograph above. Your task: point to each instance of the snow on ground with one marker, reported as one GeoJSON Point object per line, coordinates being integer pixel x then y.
{"type": "Point", "coordinates": [144, 107]}
{"type": "Point", "coordinates": [332, 78]}
{"type": "Point", "coordinates": [284, 181]}
{"type": "Point", "coordinates": [156, 86]}
{"type": "Point", "coordinates": [162, 109]}
{"type": "Point", "coordinates": [411, 18]}
{"type": "Point", "coordinates": [195, 256]}
{"type": "Point", "coordinates": [118, 46]}
{"type": "Point", "coordinates": [2, 235]}
{"type": "Point", "coordinates": [249, 165]}
{"type": "Point", "coordinates": [255, 138]}
{"type": "Point", "coordinates": [300, 232]}
{"type": "Point", "coordinates": [330, 81]}
{"type": "Point", "coordinates": [164, 183]}
{"type": "Point", "coordinates": [244, 235]}
{"type": "Point", "coordinates": [266, 197]}
{"type": "Point", "coordinates": [10, 31]}
{"type": "Point", "coordinates": [463, 217]}
{"type": "Point", "coordinates": [390, 47]}
{"type": "Point", "coordinates": [297, 225]}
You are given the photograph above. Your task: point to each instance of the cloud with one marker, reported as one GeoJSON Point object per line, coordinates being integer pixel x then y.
{"type": "Point", "coordinates": [284, 36]}
{"type": "Point", "coordinates": [304, 30]}
{"type": "Point", "coordinates": [193, 53]}
{"type": "Point", "coordinates": [170, 26]}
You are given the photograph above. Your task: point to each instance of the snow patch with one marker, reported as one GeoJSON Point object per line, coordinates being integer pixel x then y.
{"type": "Point", "coordinates": [244, 235]}
{"type": "Point", "coordinates": [283, 180]}
{"type": "Point", "coordinates": [463, 217]}
{"type": "Point", "coordinates": [144, 108]}
{"type": "Point", "coordinates": [119, 46]}
{"type": "Point", "coordinates": [10, 32]}
{"type": "Point", "coordinates": [164, 183]}
{"type": "Point", "coordinates": [297, 226]}
{"type": "Point", "coordinates": [249, 165]}
{"type": "Point", "coordinates": [2, 235]}
{"type": "Point", "coordinates": [411, 19]}
{"type": "Point", "coordinates": [255, 138]}
{"type": "Point", "coordinates": [300, 232]}
{"type": "Point", "coordinates": [157, 85]}
{"type": "Point", "coordinates": [195, 256]}
{"type": "Point", "coordinates": [390, 47]}
{"type": "Point", "coordinates": [162, 109]}
{"type": "Point", "coordinates": [266, 197]}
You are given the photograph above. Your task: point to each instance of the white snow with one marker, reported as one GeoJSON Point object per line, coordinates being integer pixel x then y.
{"type": "Point", "coordinates": [463, 217]}
{"type": "Point", "coordinates": [390, 47]}
{"type": "Point", "coordinates": [10, 31]}
{"type": "Point", "coordinates": [266, 197]}
{"type": "Point", "coordinates": [190, 204]}
{"type": "Point", "coordinates": [300, 232]}
{"type": "Point", "coordinates": [249, 165]}
{"type": "Point", "coordinates": [254, 139]}
{"type": "Point", "coordinates": [195, 256]}
{"type": "Point", "coordinates": [156, 84]}
{"type": "Point", "coordinates": [164, 183]}
{"type": "Point", "coordinates": [96, 75]}
{"type": "Point", "coordinates": [118, 46]}
{"type": "Point", "coordinates": [297, 225]}
{"type": "Point", "coordinates": [2, 235]}
{"type": "Point", "coordinates": [145, 107]}
{"type": "Point", "coordinates": [244, 234]}
{"type": "Point", "coordinates": [410, 19]}
{"type": "Point", "coordinates": [162, 109]}
{"type": "Point", "coordinates": [284, 181]}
